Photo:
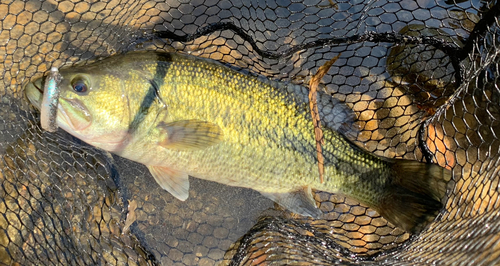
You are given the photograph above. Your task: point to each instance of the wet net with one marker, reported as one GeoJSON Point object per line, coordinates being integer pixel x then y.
{"type": "Point", "coordinates": [420, 76]}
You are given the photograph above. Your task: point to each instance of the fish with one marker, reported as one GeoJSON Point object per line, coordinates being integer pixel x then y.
{"type": "Point", "coordinates": [182, 116]}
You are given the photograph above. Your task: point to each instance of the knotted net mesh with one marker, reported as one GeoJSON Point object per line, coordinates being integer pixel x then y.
{"type": "Point", "coordinates": [420, 76]}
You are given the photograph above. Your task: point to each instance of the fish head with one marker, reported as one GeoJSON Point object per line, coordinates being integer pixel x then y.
{"type": "Point", "coordinates": [92, 105]}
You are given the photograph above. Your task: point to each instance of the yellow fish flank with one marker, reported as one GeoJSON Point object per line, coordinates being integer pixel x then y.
{"type": "Point", "coordinates": [186, 116]}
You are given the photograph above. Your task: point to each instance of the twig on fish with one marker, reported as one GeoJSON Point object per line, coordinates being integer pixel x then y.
{"type": "Point", "coordinates": [48, 110]}
{"type": "Point", "coordinates": [313, 105]}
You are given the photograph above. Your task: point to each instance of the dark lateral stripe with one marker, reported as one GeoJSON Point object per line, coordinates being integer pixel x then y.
{"type": "Point", "coordinates": [153, 92]}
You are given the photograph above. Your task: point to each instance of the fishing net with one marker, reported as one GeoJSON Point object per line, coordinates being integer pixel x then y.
{"type": "Point", "coordinates": [420, 76]}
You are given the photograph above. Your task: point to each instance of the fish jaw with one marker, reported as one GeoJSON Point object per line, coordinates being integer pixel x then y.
{"type": "Point", "coordinates": [75, 118]}
{"type": "Point", "coordinates": [74, 115]}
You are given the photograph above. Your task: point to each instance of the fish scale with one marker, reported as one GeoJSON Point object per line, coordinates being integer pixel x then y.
{"type": "Point", "coordinates": [186, 116]}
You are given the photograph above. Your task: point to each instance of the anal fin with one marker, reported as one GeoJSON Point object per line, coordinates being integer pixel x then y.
{"type": "Point", "coordinates": [300, 201]}
{"type": "Point", "coordinates": [173, 181]}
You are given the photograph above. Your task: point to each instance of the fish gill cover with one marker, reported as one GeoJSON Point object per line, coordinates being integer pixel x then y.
{"type": "Point", "coordinates": [420, 76]}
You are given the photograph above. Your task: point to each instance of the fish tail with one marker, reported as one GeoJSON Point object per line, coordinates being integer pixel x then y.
{"type": "Point", "coordinates": [413, 197]}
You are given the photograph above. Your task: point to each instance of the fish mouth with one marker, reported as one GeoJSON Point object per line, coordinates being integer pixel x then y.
{"type": "Point", "coordinates": [74, 115]}
{"type": "Point", "coordinates": [34, 92]}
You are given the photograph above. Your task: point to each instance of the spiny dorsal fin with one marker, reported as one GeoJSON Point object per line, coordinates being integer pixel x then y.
{"type": "Point", "coordinates": [189, 134]}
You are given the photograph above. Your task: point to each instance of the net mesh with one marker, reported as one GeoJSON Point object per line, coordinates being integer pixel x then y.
{"type": "Point", "coordinates": [420, 76]}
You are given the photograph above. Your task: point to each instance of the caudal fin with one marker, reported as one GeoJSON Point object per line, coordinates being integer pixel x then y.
{"type": "Point", "coordinates": [414, 196]}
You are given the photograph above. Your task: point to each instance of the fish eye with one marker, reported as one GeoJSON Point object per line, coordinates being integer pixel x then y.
{"type": "Point", "coordinates": [80, 85]}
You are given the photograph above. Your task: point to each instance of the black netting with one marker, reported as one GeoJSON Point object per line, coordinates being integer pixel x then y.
{"type": "Point", "coordinates": [419, 75]}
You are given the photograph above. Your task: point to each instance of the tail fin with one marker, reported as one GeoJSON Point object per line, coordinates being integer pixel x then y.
{"type": "Point", "coordinates": [414, 196]}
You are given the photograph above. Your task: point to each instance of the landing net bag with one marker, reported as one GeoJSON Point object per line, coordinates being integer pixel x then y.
{"type": "Point", "coordinates": [421, 77]}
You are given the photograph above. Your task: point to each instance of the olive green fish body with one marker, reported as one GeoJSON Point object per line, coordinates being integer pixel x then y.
{"type": "Point", "coordinates": [182, 115]}
{"type": "Point", "coordinates": [268, 122]}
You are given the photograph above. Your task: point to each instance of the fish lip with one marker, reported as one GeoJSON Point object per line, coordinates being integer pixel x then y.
{"type": "Point", "coordinates": [39, 88]}
{"type": "Point", "coordinates": [77, 104]}
{"type": "Point", "coordinates": [34, 93]}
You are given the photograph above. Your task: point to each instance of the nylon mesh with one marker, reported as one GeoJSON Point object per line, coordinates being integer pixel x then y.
{"type": "Point", "coordinates": [420, 75]}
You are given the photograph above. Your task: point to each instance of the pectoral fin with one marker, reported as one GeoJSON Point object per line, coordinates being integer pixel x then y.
{"type": "Point", "coordinates": [173, 181]}
{"type": "Point", "coordinates": [189, 134]}
{"type": "Point", "coordinates": [300, 201]}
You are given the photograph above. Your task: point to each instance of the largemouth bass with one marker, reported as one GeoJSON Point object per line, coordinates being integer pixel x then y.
{"type": "Point", "coordinates": [186, 116]}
